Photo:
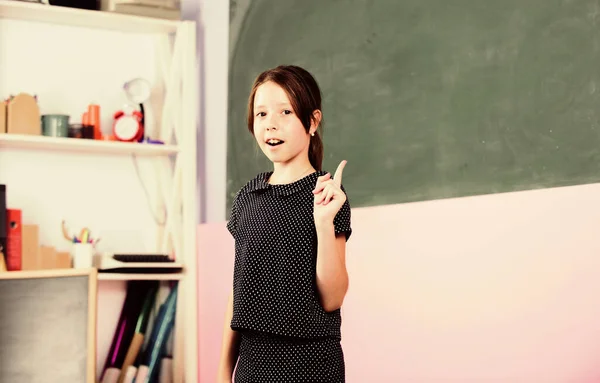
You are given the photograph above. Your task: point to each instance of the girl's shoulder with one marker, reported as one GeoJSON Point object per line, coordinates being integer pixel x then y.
{"type": "Point", "coordinates": [258, 182]}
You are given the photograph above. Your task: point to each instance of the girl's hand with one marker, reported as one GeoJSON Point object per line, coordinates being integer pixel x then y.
{"type": "Point", "coordinates": [329, 196]}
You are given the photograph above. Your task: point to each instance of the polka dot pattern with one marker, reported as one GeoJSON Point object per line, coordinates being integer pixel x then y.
{"type": "Point", "coordinates": [271, 359]}
{"type": "Point", "coordinates": [274, 278]}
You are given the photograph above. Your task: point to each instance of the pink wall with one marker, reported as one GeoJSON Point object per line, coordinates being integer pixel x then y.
{"type": "Point", "coordinates": [502, 288]}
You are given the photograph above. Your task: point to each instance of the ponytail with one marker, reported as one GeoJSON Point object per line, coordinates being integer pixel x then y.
{"type": "Point", "coordinates": [315, 151]}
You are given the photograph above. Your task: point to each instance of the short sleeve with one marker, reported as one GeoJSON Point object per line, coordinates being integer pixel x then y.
{"type": "Point", "coordinates": [342, 220]}
{"type": "Point", "coordinates": [233, 217]}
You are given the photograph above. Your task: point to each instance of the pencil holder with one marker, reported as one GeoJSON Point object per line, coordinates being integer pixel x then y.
{"type": "Point", "coordinates": [82, 255]}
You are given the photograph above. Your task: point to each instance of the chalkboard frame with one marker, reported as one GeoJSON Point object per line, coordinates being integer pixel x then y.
{"type": "Point", "coordinates": [92, 275]}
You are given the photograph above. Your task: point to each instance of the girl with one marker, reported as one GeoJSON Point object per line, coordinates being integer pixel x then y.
{"type": "Point", "coordinates": [290, 227]}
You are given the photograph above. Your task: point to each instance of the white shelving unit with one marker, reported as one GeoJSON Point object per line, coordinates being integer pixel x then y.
{"type": "Point", "coordinates": [175, 161]}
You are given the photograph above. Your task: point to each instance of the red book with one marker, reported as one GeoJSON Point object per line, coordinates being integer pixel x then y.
{"type": "Point", "coordinates": [14, 241]}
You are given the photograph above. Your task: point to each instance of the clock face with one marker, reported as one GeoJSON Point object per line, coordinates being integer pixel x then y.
{"type": "Point", "coordinates": [126, 128]}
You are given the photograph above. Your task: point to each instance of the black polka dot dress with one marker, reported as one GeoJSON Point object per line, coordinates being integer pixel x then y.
{"type": "Point", "coordinates": [286, 335]}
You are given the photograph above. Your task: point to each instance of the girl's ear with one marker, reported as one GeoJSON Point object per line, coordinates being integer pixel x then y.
{"type": "Point", "coordinates": [315, 121]}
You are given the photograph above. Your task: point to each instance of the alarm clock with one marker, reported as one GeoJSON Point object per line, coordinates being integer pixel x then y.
{"type": "Point", "coordinates": [128, 125]}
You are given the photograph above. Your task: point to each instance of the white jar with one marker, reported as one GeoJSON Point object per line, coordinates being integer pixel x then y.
{"type": "Point", "coordinates": [82, 255]}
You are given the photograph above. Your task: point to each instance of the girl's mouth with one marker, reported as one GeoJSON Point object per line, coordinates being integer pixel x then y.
{"type": "Point", "coordinates": [274, 142]}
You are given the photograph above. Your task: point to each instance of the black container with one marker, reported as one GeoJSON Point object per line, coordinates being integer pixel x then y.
{"type": "Point", "coordinates": [81, 131]}
{"type": "Point", "coordinates": [93, 5]}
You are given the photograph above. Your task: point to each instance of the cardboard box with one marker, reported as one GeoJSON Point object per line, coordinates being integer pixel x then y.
{"type": "Point", "coordinates": [47, 257]}
{"type": "Point", "coordinates": [3, 117]}
{"type": "Point", "coordinates": [23, 115]}
{"type": "Point", "coordinates": [63, 260]}
{"type": "Point", "coordinates": [31, 247]}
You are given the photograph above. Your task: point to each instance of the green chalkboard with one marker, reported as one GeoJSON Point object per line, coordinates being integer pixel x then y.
{"type": "Point", "coordinates": [431, 99]}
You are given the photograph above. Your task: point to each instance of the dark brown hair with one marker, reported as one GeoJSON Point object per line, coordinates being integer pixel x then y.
{"type": "Point", "coordinates": [305, 96]}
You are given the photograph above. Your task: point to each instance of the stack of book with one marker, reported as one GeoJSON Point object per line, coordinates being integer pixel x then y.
{"type": "Point", "coordinates": [140, 349]}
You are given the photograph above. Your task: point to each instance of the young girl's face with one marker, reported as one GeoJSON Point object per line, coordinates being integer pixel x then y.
{"type": "Point", "coordinates": [277, 129]}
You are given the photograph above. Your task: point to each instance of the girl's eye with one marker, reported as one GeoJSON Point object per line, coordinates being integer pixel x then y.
{"type": "Point", "coordinates": [287, 111]}
{"type": "Point", "coordinates": [261, 114]}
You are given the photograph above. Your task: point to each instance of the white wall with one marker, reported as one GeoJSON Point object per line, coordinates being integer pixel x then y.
{"type": "Point", "coordinates": [213, 42]}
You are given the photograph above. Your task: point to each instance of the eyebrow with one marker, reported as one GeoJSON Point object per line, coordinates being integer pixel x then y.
{"type": "Point", "coordinates": [278, 104]}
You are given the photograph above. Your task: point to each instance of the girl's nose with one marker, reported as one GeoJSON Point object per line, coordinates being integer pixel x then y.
{"type": "Point", "coordinates": [271, 124]}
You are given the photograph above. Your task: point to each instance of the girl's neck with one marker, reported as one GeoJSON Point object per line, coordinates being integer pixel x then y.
{"type": "Point", "coordinates": [285, 174]}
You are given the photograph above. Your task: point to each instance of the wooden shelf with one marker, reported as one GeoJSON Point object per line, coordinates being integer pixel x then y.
{"type": "Point", "coordinates": [18, 141]}
{"type": "Point", "coordinates": [47, 273]}
{"type": "Point", "coordinates": [52, 14]}
{"type": "Point", "coordinates": [139, 277]}
{"type": "Point", "coordinates": [54, 273]}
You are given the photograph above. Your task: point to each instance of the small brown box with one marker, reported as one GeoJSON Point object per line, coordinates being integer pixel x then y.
{"type": "Point", "coordinates": [31, 247]}
{"type": "Point", "coordinates": [63, 260]}
{"type": "Point", "coordinates": [47, 257]}
{"type": "Point", "coordinates": [23, 115]}
{"type": "Point", "coordinates": [2, 117]}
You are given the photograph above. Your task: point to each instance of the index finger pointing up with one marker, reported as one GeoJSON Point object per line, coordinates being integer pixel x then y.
{"type": "Point", "coordinates": [337, 178]}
